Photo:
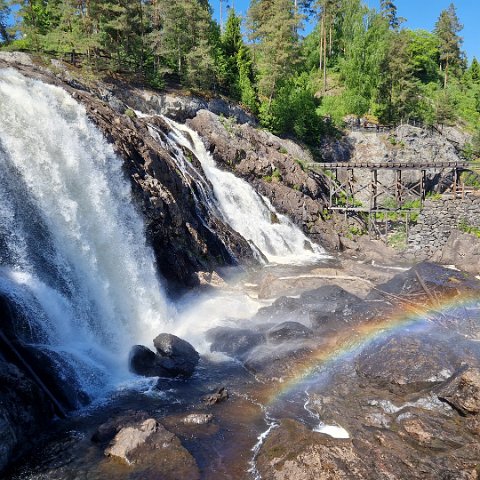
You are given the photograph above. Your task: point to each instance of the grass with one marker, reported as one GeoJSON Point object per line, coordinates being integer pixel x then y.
{"type": "Point", "coordinates": [465, 227]}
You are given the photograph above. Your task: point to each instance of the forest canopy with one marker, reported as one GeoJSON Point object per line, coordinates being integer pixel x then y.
{"type": "Point", "coordinates": [355, 60]}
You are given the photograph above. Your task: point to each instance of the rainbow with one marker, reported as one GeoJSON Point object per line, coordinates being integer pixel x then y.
{"type": "Point", "coordinates": [349, 343]}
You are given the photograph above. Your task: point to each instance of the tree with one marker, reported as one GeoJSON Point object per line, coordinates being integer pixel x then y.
{"type": "Point", "coordinates": [474, 71]}
{"type": "Point", "coordinates": [447, 28]}
{"type": "Point", "coordinates": [327, 13]}
{"type": "Point", "coordinates": [398, 91]}
{"type": "Point", "coordinates": [389, 11]}
{"type": "Point", "coordinates": [4, 13]}
{"type": "Point", "coordinates": [181, 40]}
{"type": "Point", "coordinates": [272, 25]}
{"type": "Point", "coordinates": [424, 55]}
{"type": "Point", "coordinates": [231, 42]}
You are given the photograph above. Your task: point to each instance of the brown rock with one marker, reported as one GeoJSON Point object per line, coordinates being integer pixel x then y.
{"type": "Point", "coordinates": [462, 391]}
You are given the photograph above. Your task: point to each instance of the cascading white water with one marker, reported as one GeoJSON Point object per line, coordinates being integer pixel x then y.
{"type": "Point", "coordinates": [72, 245]}
{"type": "Point", "coordinates": [251, 215]}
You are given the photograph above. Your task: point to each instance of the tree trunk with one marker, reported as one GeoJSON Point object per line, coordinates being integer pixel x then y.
{"type": "Point", "coordinates": [321, 43]}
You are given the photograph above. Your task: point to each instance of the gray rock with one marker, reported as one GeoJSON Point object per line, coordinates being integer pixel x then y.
{"type": "Point", "coordinates": [287, 331]}
{"type": "Point", "coordinates": [236, 342]}
{"type": "Point", "coordinates": [178, 357]}
{"type": "Point", "coordinates": [198, 419]}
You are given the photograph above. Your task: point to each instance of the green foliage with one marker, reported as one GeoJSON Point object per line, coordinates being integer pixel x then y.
{"type": "Point", "coordinates": [465, 227]}
{"type": "Point", "coordinates": [447, 28]}
{"type": "Point", "coordinates": [294, 111]}
{"type": "Point", "coordinates": [356, 60]}
{"type": "Point", "coordinates": [397, 240]}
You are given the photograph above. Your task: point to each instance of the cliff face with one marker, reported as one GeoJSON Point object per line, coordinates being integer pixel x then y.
{"type": "Point", "coordinates": [185, 237]}
{"type": "Point", "coordinates": [274, 167]}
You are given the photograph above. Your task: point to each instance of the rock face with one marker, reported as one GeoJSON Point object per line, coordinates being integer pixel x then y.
{"type": "Point", "coordinates": [462, 391]}
{"type": "Point", "coordinates": [178, 107]}
{"type": "Point", "coordinates": [185, 236]}
{"type": "Point", "coordinates": [174, 358]}
{"type": "Point", "coordinates": [24, 411]}
{"type": "Point", "coordinates": [274, 167]}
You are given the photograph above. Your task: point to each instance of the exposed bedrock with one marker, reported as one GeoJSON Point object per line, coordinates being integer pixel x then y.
{"type": "Point", "coordinates": [185, 236]}
{"type": "Point", "coordinates": [274, 167]}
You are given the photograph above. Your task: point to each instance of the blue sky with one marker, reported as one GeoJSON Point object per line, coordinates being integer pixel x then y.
{"type": "Point", "coordinates": [419, 14]}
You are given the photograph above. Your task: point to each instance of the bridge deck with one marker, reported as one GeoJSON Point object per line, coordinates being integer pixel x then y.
{"type": "Point", "coordinates": [390, 165]}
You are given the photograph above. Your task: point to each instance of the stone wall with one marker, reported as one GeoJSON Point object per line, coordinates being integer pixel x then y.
{"type": "Point", "coordinates": [437, 221]}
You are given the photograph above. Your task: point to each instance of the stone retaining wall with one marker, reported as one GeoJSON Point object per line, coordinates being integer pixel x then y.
{"type": "Point", "coordinates": [437, 221]}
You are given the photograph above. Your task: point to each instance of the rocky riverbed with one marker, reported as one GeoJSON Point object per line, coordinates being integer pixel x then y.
{"type": "Point", "coordinates": [346, 370]}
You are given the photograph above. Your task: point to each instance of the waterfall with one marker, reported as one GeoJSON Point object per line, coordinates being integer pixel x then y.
{"type": "Point", "coordinates": [248, 213]}
{"type": "Point", "coordinates": [72, 246]}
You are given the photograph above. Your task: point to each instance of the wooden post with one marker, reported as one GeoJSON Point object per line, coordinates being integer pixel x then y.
{"type": "Point", "coordinates": [455, 180]}
{"type": "Point", "coordinates": [423, 183]}
{"type": "Point", "coordinates": [398, 186]}
{"type": "Point", "coordinates": [407, 218]}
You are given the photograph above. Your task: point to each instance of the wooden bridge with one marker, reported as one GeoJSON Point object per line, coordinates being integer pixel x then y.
{"type": "Point", "coordinates": [377, 200]}
{"type": "Point", "coordinates": [346, 193]}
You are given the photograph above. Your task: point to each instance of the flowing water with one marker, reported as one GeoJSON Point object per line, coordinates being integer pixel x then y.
{"type": "Point", "coordinates": [74, 258]}
{"type": "Point", "coordinates": [73, 246]}
{"type": "Point", "coordinates": [248, 213]}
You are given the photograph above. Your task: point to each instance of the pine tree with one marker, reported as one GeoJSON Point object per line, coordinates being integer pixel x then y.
{"type": "Point", "coordinates": [474, 71]}
{"type": "Point", "coordinates": [181, 40]}
{"type": "Point", "coordinates": [231, 42]}
{"type": "Point", "coordinates": [398, 91]}
{"type": "Point", "coordinates": [447, 28]}
{"type": "Point", "coordinates": [327, 14]}
{"type": "Point", "coordinates": [389, 11]}
{"type": "Point", "coordinates": [272, 25]}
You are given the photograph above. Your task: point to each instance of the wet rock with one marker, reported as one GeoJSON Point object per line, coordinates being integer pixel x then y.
{"type": "Point", "coordinates": [178, 357]}
{"type": "Point", "coordinates": [462, 391]}
{"type": "Point", "coordinates": [174, 358]}
{"type": "Point", "coordinates": [235, 342]}
{"type": "Point", "coordinates": [198, 419]}
{"type": "Point", "coordinates": [408, 362]}
{"type": "Point", "coordinates": [107, 431]}
{"type": "Point", "coordinates": [292, 451]}
{"type": "Point", "coordinates": [129, 439]}
{"type": "Point", "coordinates": [332, 303]}
{"type": "Point", "coordinates": [152, 452]}
{"type": "Point", "coordinates": [211, 279]}
{"type": "Point", "coordinates": [24, 411]}
{"type": "Point", "coordinates": [439, 281]}
{"type": "Point", "coordinates": [287, 331]}
{"type": "Point", "coordinates": [142, 361]}
{"type": "Point", "coordinates": [217, 397]}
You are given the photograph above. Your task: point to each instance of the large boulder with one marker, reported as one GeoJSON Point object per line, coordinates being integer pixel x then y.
{"type": "Point", "coordinates": [408, 362]}
{"type": "Point", "coordinates": [178, 356]}
{"type": "Point", "coordinates": [174, 358]}
{"type": "Point", "coordinates": [152, 452]}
